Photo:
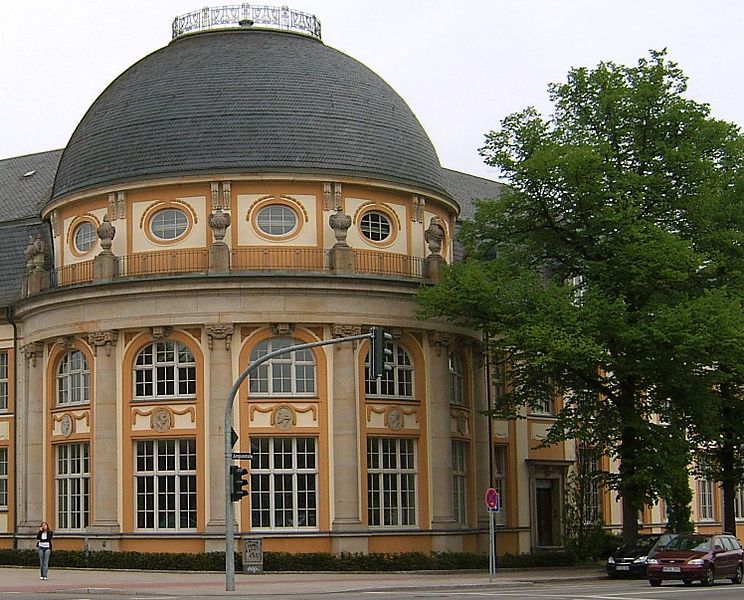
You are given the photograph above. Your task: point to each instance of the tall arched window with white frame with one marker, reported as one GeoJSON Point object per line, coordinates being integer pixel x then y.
{"type": "Point", "coordinates": [397, 380]}
{"type": "Point", "coordinates": [73, 379]}
{"type": "Point", "coordinates": [164, 370]}
{"type": "Point", "coordinates": [290, 374]}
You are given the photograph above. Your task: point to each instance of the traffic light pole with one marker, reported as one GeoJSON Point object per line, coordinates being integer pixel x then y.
{"type": "Point", "coordinates": [229, 509]}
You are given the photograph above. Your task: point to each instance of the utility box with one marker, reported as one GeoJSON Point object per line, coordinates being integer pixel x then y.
{"type": "Point", "coordinates": [252, 555]}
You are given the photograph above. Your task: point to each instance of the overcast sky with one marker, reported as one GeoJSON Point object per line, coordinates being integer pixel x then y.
{"type": "Point", "coordinates": [462, 65]}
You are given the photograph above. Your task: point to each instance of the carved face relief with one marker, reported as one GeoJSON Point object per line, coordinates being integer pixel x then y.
{"type": "Point", "coordinates": [283, 417]}
{"type": "Point", "coordinates": [66, 425]}
{"type": "Point", "coordinates": [161, 420]}
{"type": "Point", "coordinates": [394, 419]}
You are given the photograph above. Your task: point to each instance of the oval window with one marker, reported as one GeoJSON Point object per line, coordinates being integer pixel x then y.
{"type": "Point", "coordinates": [276, 219]}
{"type": "Point", "coordinates": [168, 224]}
{"type": "Point", "coordinates": [85, 236]}
{"type": "Point", "coordinates": [375, 226]}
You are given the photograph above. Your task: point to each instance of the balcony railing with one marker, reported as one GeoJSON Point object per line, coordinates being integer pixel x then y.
{"type": "Point", "coordinates": [246, 15]}
{"type": "Point", "coordinates": [75, 274]}
{"type": "Point", "coordinates": [279, 259]}
{"type": "Point", "coordinates": [163, 263]}
{"type": "Point", "coordinates": [241, 260]}
{"type": "Point", "coordinates": [388, 263]}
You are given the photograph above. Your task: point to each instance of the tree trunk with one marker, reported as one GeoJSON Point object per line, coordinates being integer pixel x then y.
{"type": "Point", "coordinates": [728, 486]}
{"type": "Point", "coordinates": [628, 454]}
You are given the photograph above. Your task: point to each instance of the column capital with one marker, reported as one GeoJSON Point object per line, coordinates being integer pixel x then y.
{"type": "Point", "coordinates": [32, 351]}
{"type": "Point", "coordinates": [103, 338]}
{"type": "Point", "coordinates": [219, 331]}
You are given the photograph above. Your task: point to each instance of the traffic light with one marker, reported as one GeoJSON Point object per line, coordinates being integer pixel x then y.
{"type": "Point", "coordinates": [379, 353]}
{"type": "Point", "coordinates": [236, 474]}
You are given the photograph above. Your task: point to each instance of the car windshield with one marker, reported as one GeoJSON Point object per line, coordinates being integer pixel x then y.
{"type": "Point", "coordinates": [697, 543]}
{"type": "Point", "coordinates": [643, 544]}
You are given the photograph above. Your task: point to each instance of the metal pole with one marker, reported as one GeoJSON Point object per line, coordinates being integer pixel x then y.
{"type": "Point", "coordinates": [229, 509]}
{"type": "Point", "coordinates": [491, 546]}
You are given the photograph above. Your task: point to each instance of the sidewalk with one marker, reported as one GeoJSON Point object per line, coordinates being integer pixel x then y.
{"type": "Point", "coordinates": [168, 583]}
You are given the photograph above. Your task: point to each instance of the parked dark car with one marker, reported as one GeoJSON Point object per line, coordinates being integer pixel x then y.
{"type": "Point", "coordinates": [629, 560]}
{"type": "Point", "coordinates": [698, 557]}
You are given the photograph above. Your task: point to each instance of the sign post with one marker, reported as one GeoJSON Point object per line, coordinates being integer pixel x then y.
{"type": "Point", "coordinates": [493, 505]}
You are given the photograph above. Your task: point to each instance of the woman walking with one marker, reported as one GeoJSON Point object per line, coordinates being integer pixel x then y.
{"type": "Point", "coordinates": [44, 547]}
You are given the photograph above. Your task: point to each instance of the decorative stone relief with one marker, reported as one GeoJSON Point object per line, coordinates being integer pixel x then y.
{"type": "Point", "coordinates": [35, 253]}
{"type": "Point", "coordinates": [226, 191]}
{"type": "Point", "coordinates": [66, 425]}
{"type": "Point", "coordinates": [340, 223]}
{"type": "Point", "coordinates": [121, 205]}
{"type": "Point", "coordinates": [160, 332]}
{"type": "Point", "coordinates": [282, 329]}
{"type": "Point", "coordinates": [434, 235]}
{"type": "Point", "coordinates": [219, 222]}
{"type": "Point", "coordinates": [54, 220]}
{"type": "Point", "coordinates": [103, 338]}
{"type": "Point", "coordinates": [283, 417]}
{"type": "Point", "coordinates": [394, 418]}
{"type": "Point", "coordinates": [66, 341]}
{"type": "Point", "coordinates": [161, 419]}
{"type": "Point", "coordinates": [219, 331]}
{"type": "Point", "coordinates": [439, 339]}
{"type": "Point", "coordinates": [106, 232]}
{"type": "Point", "coordinates": [462, 424]}
{"type": "Point", "coordinates": [344, 331]}
{"type": "Point", "coordinates": [417, 214]}
{"type": "Point", "coordinates": [215, 193]}
{"type": "Point", "coordinates": [32, 351]}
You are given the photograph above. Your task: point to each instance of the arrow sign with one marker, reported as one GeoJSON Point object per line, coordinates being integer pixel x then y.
{"type": "Point", "coordinates": [242, 456]}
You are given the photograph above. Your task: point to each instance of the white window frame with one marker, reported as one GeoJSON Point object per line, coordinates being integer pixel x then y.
{"type": "Point", "coordinates": [3, 380]}
{"type": "Point", "coordinates": [376, 226]}
{"type": "Point", "coordinates": [168, 369]}
{"type": "Point", "coordinates": [4, 478]}
{"type": "Point", "coordinates": [396, 382]}
{"type": "Point", "coordinates": [169, 224]}
{"type": "Point", "coordinates": [456, 379]}
{"type": "Point", "coordinates": [590, 468]}
{"type": "Point", "coordinates": [165, 485]}
{"type": "Point", "coordinates": [739, 503]}
{"type": "Point", "coordinates": [73, 379]}
{"type": "Point", "coordinates": [705, 499]}
{"type": "Point", "coordinates": [288, 375]}
{"type": "Point", "coordinates": [460, 481]}
{"type": "Point", "coordinates": [272, 220]}
{"type": "Point", "coordinates": [284, 483]}
{"type": "Point", "coordinates": [85, 237]}
{"type": "Point", "coordinates": [72, 486]}
{"type": "Point", "coordinates": [391, 482]}
{"type": "Point", "coordinates": [500, 458]}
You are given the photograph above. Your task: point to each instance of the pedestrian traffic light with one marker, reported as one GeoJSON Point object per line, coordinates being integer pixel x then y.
{"type": "Point", "coordinates": [379, 352]}
{"type": "Point", "coordinates": [236, 475]}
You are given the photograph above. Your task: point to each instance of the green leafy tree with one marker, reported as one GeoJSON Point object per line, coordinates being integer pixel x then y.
{"type": "Point", "coordinates": [597, 273]}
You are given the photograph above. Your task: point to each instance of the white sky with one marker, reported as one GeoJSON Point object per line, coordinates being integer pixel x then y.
{"type": "Point", "coordinates": [462, 65]}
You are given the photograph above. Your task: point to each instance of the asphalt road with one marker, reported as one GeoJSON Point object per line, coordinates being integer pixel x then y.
{"type": "Point", "coordinates": [588, 590]}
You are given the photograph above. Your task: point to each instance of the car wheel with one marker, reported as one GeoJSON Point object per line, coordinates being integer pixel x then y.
{"type": "Point", "coordinates": [687, 581]}
{"type": "Point", "coordinates": [709, 577]}
{"type": "Point", "coordinates": [739, 574]}
{"type": "Point", "coordinates": [655, 582]}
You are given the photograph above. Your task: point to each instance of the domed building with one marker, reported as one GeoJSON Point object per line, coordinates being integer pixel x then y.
{"type": "Point", "coordinates": [244, 189]}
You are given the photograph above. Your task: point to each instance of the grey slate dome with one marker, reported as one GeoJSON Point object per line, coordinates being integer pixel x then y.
{"type": "Point", "coordinates": [248, 101]}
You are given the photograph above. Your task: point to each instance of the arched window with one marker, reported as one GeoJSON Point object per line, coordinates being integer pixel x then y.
{"type": "Point", "coordinates": [397, 381]}
{"type": "Point", "coordinates": [73, 379]}
{"type": "Point", "coordinates": [164, 369]}
{"type": "Point", "coordinates": [291, 374]}
{"type": "Point", "coordinates": [457, 395]}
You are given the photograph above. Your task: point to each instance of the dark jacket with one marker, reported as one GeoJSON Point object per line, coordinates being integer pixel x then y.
{"type": "Point", "coordinates": [50, 535]}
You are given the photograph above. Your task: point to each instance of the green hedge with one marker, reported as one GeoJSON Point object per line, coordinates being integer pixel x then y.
{"type": "Point", "coordinates": [284, 561]}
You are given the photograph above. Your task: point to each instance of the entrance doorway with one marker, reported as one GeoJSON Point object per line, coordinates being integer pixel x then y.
{"type": "Point", "coordinates": [544, 508]}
